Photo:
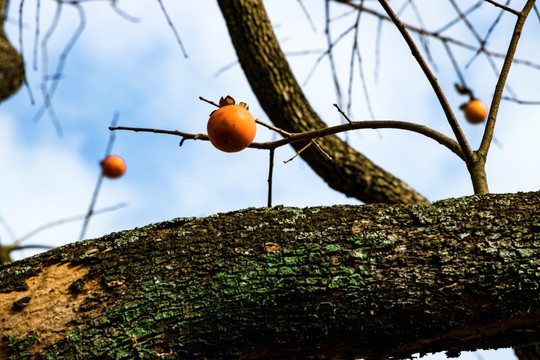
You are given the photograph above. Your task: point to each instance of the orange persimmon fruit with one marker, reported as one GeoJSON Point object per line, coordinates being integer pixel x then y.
{"type": "Point", "coordinates": [231, 128]}
{"type": "Point", "coordinates": [113, 166]}
{"type": "Point", "coordinates": [475, 111]}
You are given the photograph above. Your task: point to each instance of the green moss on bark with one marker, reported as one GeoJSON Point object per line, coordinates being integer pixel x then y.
{"type": "Point", "coordinates": [367, 281]}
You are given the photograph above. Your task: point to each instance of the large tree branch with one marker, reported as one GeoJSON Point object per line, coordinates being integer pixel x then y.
{"type": "Point", "coordinates": [337, 282]}
{"type": "Point", "coordinates": [281, 97]}
{"type": "Point", "coordinates": [11, 63]}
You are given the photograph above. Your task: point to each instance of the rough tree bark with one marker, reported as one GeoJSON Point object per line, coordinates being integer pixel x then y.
{"type": "Point", "coordinates": [11, 62]}
{"type": "Point", "coordinates": [281, 97]}
{"type": "Point", "coordinates": [337, 282]}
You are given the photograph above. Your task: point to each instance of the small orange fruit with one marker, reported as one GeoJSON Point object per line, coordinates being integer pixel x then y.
{"type": "Point", "coordinates": [475, 111]}
{"type": "Point", "coordinates": [113, 166]}
{"type": "Point", "coordinates": [231, 128]}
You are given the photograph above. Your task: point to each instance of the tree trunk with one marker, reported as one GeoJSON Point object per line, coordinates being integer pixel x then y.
{"type": "Point", "coordinates": [279, 94]}
{"type": "Point", "coordinates": [338, 282]}
{"type": "Point", "coordinates": [11, 62]}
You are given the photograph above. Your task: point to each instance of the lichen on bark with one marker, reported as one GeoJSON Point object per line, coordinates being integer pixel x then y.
{"type": "Point", "coordinates": [367, 281]}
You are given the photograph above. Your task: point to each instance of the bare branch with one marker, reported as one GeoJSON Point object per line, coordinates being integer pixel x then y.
{"type": "Point", "coordinates": [99, 181]}
{"type": "Point", "coordinates": [299, 152]}
{"type": "Point", "coordinates": [270, 176]}
{"type": "Point", "coordinates": [48, 91]}
{"type": "Point", "coordinates": [442, 139]}
{"type": "Point", "coordinates": [463, 143]}
{"type": "Point", "coordinates": [276, 129]}
{"type": "Point", "coordinates": [437, 34]}
{"type": "Point", "coordinates": [65, 220]}
{"type": "Point", "coordinates": [173, 28]}
{"type": "Point", "coordinates": [306, 13]}
{"type": "Point", "coordinates": [343, 113]}
{"type": "Point", "coordinates": [499, 88]}
{"type": "Point", "coordinates": [505, 8]}
{"type": "Point", "coordinates": [184, 135]}
{"type": "Point", "coordinates": [521, 102]}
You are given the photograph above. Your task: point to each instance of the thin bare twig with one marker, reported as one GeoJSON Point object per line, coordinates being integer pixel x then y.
{"type": "Point", "coordinates": [437, 34]}
{"type": "Point", "coordinates": [306, 13]}
{"type": "Point", "coordinates": [299, 152]}
{"type": "Point", "coordinates": [458, 133]}
{"type": "Point", "coordinates": [343, 113]}
{"type": "Point", "coordinates": [48, 91]}
{"type": "Point", "coordinates": [66, 220]}
{"type": "Point", "coordinates": [47, 105]}
{"type": "Point", "coordinates": [521, 102]}
{"type": "Point", "coordinates": [16, 245]}
{"type": "Point", "coordinates": [311, 142]}
{"type": "Point", "coordinates": [173, 28]}
{"type": "Point", "coordinates": [276, 129]}
{"type": "Point", "coordinates": [505, 8]}
{"type": "Point", "coordinates": [99, 181]}
{"type": "Point", "coordinates": [355, 53]}
{"type": "Point", "coordinates": [36, 34]}
{"type": "Point", "coordinates": [499, 88]}
{"type": "Point", "coordinates": [184, 135]}
{"type": "Point", "coordinates": [122, 13]}
{"type": "Point", "coordinates": [455, 65]}
{"type": "Point", "coordinates": [270, 176]}
{"type": "Point", "coordinates": [314, 141]}
{"type": "Point", "coordinates": [442, 139]}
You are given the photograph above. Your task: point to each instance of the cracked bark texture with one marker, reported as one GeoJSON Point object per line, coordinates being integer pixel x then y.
{"type": "Point", "coordinates": [338, 282]}
{"type": "Point", "coordinates": [281, 97]}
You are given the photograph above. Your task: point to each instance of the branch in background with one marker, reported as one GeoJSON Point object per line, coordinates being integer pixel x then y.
{"type": "Point", "coordinates": [499, 88]}
{"type": "Point", "coordinates": [458, 133]}
{"type": "Point", "coordinates": [173, 28]}
{"type": "Point", "coordinates": [16, 245]}
{"type": "Point", "coordinates": [108, 150]}
{"type": "Point", "coordinates": [283, 100]}
{"type": "Point", "coordinates": [437, 34]}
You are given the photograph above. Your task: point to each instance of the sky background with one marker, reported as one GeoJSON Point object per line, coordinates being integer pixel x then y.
{"type": "Point", "coordinates": [138, 70]}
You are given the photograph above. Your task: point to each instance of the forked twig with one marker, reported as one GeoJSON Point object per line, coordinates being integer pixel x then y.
{"type": "Point", "coordinates": [99, 182]}
{"type": "Point", "coordinates": [442, 139]}
{"type": "Point", "coordinates": [299, 152]}
{"type": "Point", "coordinates": [499, 88]}
{"type": "Point", "coordinates": [458, 133]}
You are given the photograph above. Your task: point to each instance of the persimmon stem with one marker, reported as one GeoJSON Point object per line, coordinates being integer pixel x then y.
{"type": "Point", "coordinates": [208, 101]}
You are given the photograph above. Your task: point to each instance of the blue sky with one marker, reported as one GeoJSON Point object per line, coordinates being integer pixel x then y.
{"type": "Point", "coordinates": [138, 70]}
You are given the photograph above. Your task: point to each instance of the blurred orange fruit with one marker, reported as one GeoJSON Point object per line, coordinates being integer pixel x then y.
{"type": "Point", "coordinates": [113, 166]}
{"type": "Point", "coordinates": [475, 111]}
